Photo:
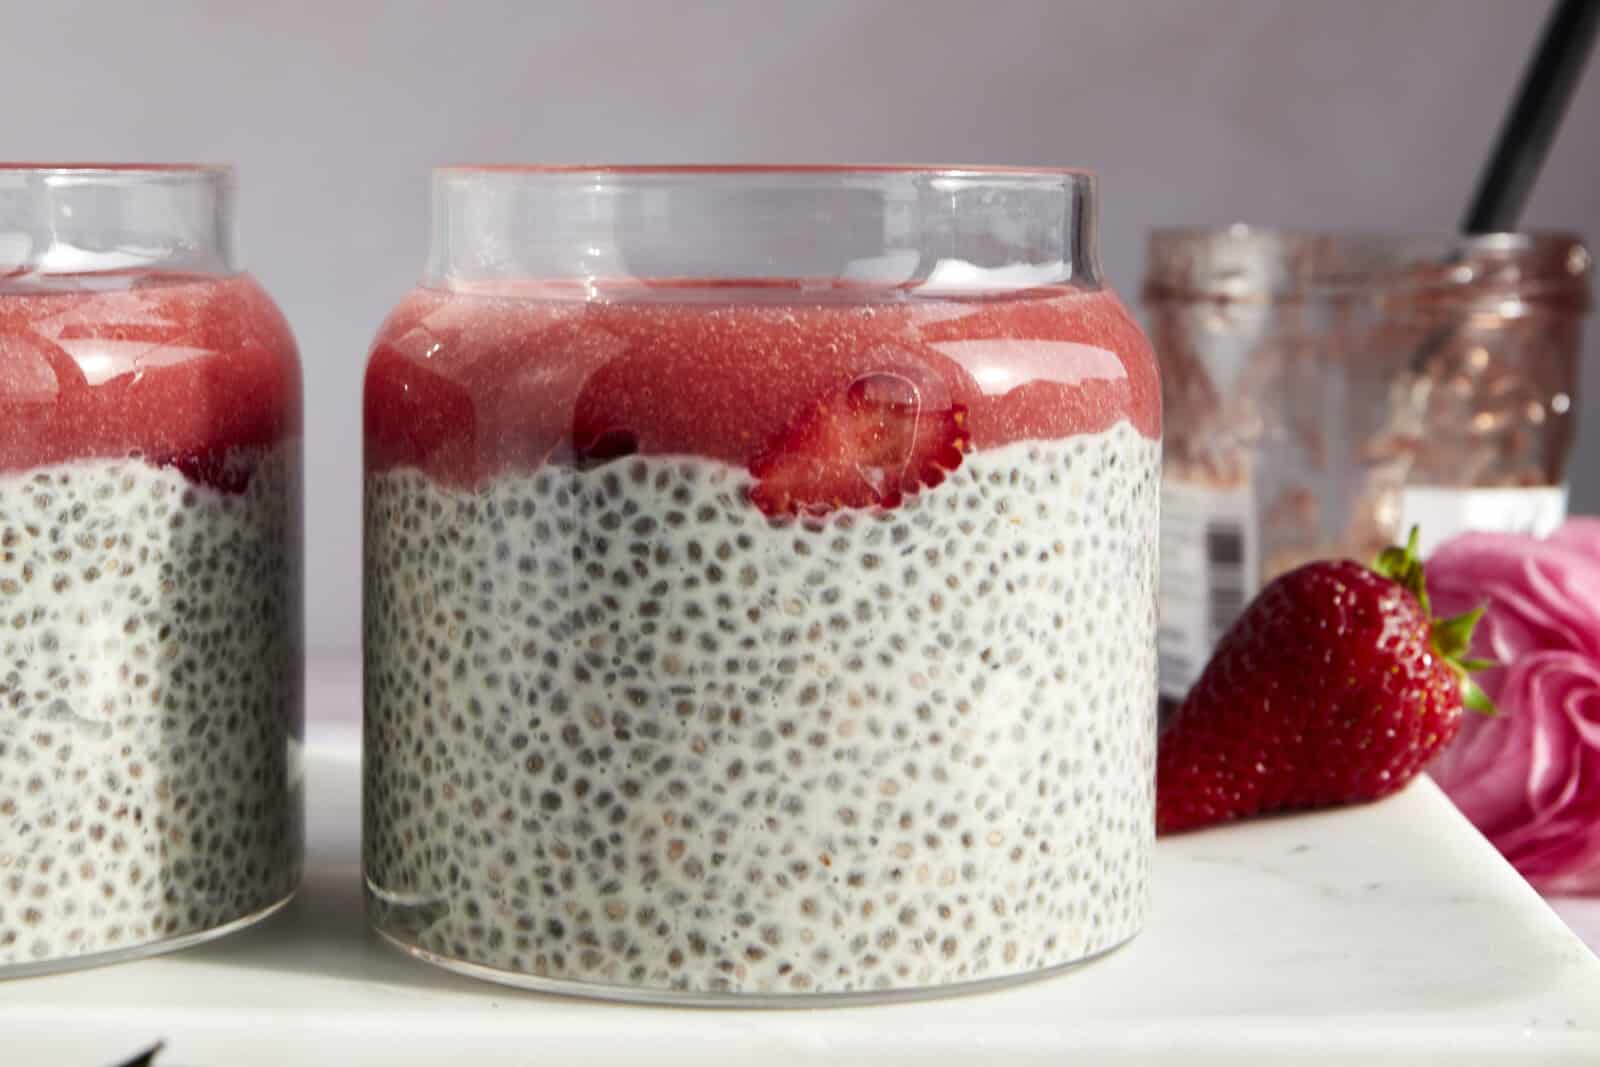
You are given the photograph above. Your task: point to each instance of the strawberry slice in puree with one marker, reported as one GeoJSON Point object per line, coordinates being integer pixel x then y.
{"type": "Point", "coordinates": [881, 439]}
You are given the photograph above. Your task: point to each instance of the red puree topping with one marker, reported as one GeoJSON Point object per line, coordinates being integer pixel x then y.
{"type": "Point", "coordinates": [176, 368]}
{"type": "Point", "coordinates": [466, 386]}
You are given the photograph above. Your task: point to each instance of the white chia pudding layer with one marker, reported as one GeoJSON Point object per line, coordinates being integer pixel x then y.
{"type": "Point", "coordinates": [150, 705]}
{"type": "Point", "coordinates": [621, 728]}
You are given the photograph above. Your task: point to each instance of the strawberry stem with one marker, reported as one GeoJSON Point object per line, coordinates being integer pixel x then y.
{"type": "Point", "coordinates": [1404, 565]}
{"type": "Point", "coordinates": [1451, 638]}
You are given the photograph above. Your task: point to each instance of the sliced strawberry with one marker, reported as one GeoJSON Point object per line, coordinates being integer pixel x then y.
{"type": "Point", "coordinates": [604, 447]}
{"type": "Point", "coordinates": [532, 409]}
{"type": "Point", "coordinates": [213, 467]}
{"type": "Point", "coordinates": [34, 371]}
{"type": "Point", "coordinates": [464, 387]}
{"type": "Point", "coordinates": [415, 416]}
{"type": "Point", "coordinates": [868, 447]}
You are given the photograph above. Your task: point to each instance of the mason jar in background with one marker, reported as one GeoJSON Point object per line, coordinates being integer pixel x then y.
{"type": "Point", "coordinates": [1325, 392]}
{"type": "Point", "coordinates": [150, 644]}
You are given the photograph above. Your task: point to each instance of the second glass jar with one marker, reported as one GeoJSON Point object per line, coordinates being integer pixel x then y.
{"type": "Point", "coordinates": [760, 584]}
{"type": "Point", "coordinates": [150, 573]}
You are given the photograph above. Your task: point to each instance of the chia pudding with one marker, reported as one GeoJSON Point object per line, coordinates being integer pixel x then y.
{"type": "Point", "coordinates": [740, 640]}
{"type": "Point", "coordinates": [150, 693]}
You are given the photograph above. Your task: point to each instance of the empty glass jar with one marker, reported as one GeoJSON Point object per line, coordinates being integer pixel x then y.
{"type": "Point", "coordinates": [1325, 392]}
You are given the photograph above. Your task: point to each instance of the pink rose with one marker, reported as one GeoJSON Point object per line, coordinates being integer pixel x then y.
{"type": "Point", "coordinates": [1529, 778]}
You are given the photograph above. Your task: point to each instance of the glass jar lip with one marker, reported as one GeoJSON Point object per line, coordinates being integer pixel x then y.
{"type": "Point", "coordinates": [114, 219]}
{"type": "Point", "coordinates": [647, 170]}
{"type": "Point", "coordinates": [893, 225]}
{"type": "Point", "coordinates": [1244, 262]}
{"type": "Point", "coordinates": [1248, 233]}
{"type": "Point", "coordinates": [119, 168]}
{"type": "Point", "coordinates": [123, 173]}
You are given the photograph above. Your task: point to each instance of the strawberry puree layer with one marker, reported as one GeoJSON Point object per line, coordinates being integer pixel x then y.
{"type": "Point", "coordinates": [177, 368]}
{"type": "Point", "coordinates": [467, 386]}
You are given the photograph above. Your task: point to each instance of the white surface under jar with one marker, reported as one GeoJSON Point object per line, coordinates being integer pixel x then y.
{"type": "Point", "coordinates": [1388, 935]}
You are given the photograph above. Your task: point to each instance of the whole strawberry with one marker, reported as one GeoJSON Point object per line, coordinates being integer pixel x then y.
{"type": "Point", "coordinates": [1335, 686]}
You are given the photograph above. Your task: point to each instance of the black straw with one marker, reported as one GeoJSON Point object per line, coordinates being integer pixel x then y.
{"type": "Point", "coordinates": [1531, 123]}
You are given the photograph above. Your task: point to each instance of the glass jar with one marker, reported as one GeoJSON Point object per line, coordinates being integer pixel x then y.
{"type": "Point", "coordinates": [150, 642]}
{"type": "Point", "coordinates": [1325, 392]}
{"type": "Point", "coordinates": [760, 589]}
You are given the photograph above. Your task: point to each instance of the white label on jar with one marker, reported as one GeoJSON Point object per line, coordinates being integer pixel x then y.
{"type": "Point", "coordinates": [1441, 513]}
{"type": "Point", "coordinates": [1210, 566]}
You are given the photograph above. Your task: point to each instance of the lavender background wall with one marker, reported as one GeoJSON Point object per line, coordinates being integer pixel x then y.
{"type": "Point", "coordinates": [1357, 113]}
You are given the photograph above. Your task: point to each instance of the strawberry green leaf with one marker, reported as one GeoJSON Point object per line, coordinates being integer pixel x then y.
{"type": "Point", "coordinates": [1475, 699]}
{"type": "Point", "coordinates": [1453, 636]}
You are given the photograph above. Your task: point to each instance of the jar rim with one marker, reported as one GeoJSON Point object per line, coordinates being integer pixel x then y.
{"type": "Point", "coordinates": [1243, 232]}
{"type": "Point", "coordinates": [1245, 262]}
{"type": "Point", "coordinates": [91, 169]}
{"type": "Point", "coordinates": [73, 220]}
{"type": "Point", "coordinates": [885, 225]}
{"type": "Point", "coordinates": [952, 170]}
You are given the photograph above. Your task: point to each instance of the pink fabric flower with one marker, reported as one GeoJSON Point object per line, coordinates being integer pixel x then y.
{"type": "Point", "coordinates": [1529, 778]}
